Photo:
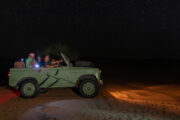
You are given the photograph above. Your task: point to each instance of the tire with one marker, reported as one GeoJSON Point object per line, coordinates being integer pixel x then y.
{"type": "Point", "coordinates": [29, 89]}
{"type": "Point", "coordinates": [88, 88]}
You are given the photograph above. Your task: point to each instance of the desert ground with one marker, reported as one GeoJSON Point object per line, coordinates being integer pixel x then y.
{"type": "Point", "coordinates": [114, 102]}
{"type": "Point", "coordinates": [125, 96]}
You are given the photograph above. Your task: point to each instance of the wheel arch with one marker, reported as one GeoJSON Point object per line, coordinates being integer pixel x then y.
{"type": "Point", "coordinates": [85, 77]}
{"type": "Point", "coordinates": [24, 79]}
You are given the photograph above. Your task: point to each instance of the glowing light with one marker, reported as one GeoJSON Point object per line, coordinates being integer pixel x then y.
{"type": "Point", "coordinates": [119, 95]}
{"type": "Point", "coordinates": [36, 66]}
{"type": "Point", "coordinates": [8, 95]}
{"type": "Point", "coordinates": [22, 59]}
{"type": "Point", "coordinates": [8, 74]}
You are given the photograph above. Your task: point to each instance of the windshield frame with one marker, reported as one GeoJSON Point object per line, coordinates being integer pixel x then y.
{"type": "Point", "coordinates": [66, 59]}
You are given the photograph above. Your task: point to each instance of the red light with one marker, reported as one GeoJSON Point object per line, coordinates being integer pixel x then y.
{"type": "Point", "coordinates": [8, 74]}
{"type": "Point", "coordinates": [7, 95]}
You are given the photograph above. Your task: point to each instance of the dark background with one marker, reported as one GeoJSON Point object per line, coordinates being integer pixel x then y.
{"type": "Point", "coordinates": [108, 32]}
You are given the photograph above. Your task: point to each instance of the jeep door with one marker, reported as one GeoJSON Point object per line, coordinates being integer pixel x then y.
{"type": "Point", "coordinates": [58, 77]}
{"type": "Point", "coordinates": [55, 77]}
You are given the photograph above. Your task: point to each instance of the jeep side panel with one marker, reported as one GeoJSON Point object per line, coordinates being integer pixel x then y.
{"type": "Point", "coordinates": [18, 75]}
{"type": "Point", "coordinates": [52, 77]}
{"type": "Point", "coordinates": [76, 72]}
{"type": "Point", "coordinates": [59, 77]}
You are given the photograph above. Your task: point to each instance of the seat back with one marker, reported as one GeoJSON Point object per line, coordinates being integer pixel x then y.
{"type": "Point", "coordinates": [19, 64]}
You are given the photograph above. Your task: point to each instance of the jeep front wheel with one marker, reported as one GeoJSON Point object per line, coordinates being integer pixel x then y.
{"type": "Point", "coordinates": [88, 88]}
{"type": "Point", "coordinates": [29, 89]}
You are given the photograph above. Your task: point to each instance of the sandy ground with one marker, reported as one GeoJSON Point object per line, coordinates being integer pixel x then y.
{"type": "Point", "coordinates": [114, 102]}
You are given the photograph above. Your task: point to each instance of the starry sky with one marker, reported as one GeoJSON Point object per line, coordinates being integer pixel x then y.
{"type": "Point", "coordinates": [127, 29]}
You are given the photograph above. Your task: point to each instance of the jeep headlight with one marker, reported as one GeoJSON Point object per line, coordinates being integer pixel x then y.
{"type": "Point", "coordinates": [100, 71]}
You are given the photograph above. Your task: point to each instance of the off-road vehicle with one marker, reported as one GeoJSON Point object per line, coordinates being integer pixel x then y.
{"type": "Point", "coordinates": [30, 81]}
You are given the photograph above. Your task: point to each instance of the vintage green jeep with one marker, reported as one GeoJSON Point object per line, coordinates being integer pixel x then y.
{"type": "Point", "coordinates": [29, 81]}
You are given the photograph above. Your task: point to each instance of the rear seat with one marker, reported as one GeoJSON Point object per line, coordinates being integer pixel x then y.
{"type": "Point", "coordinates": [19, 64]}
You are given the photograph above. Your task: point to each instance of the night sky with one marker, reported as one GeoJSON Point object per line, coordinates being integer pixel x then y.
{"type": "Point", "coordinates": [128, 29]}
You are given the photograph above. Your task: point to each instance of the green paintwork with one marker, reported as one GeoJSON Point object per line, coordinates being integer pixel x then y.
{"type": "Point", "coordinates": [66, 76]}
{"type": "Point", "coordinates": [88, 88]}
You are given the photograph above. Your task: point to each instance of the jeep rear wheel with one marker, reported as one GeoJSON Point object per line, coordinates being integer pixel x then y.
{"type": "Point", "coordinates": [29, 89]}
{"type": "Point", "coordinates": [88, 88]}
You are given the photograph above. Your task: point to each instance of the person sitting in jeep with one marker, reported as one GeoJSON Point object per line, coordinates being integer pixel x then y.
{"type": "Point", "coordinates": [39, 61]}
{"type": "Point", "coordinates": [30, 61]}
{"type": "Point", "coordinates": [50, 64]}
